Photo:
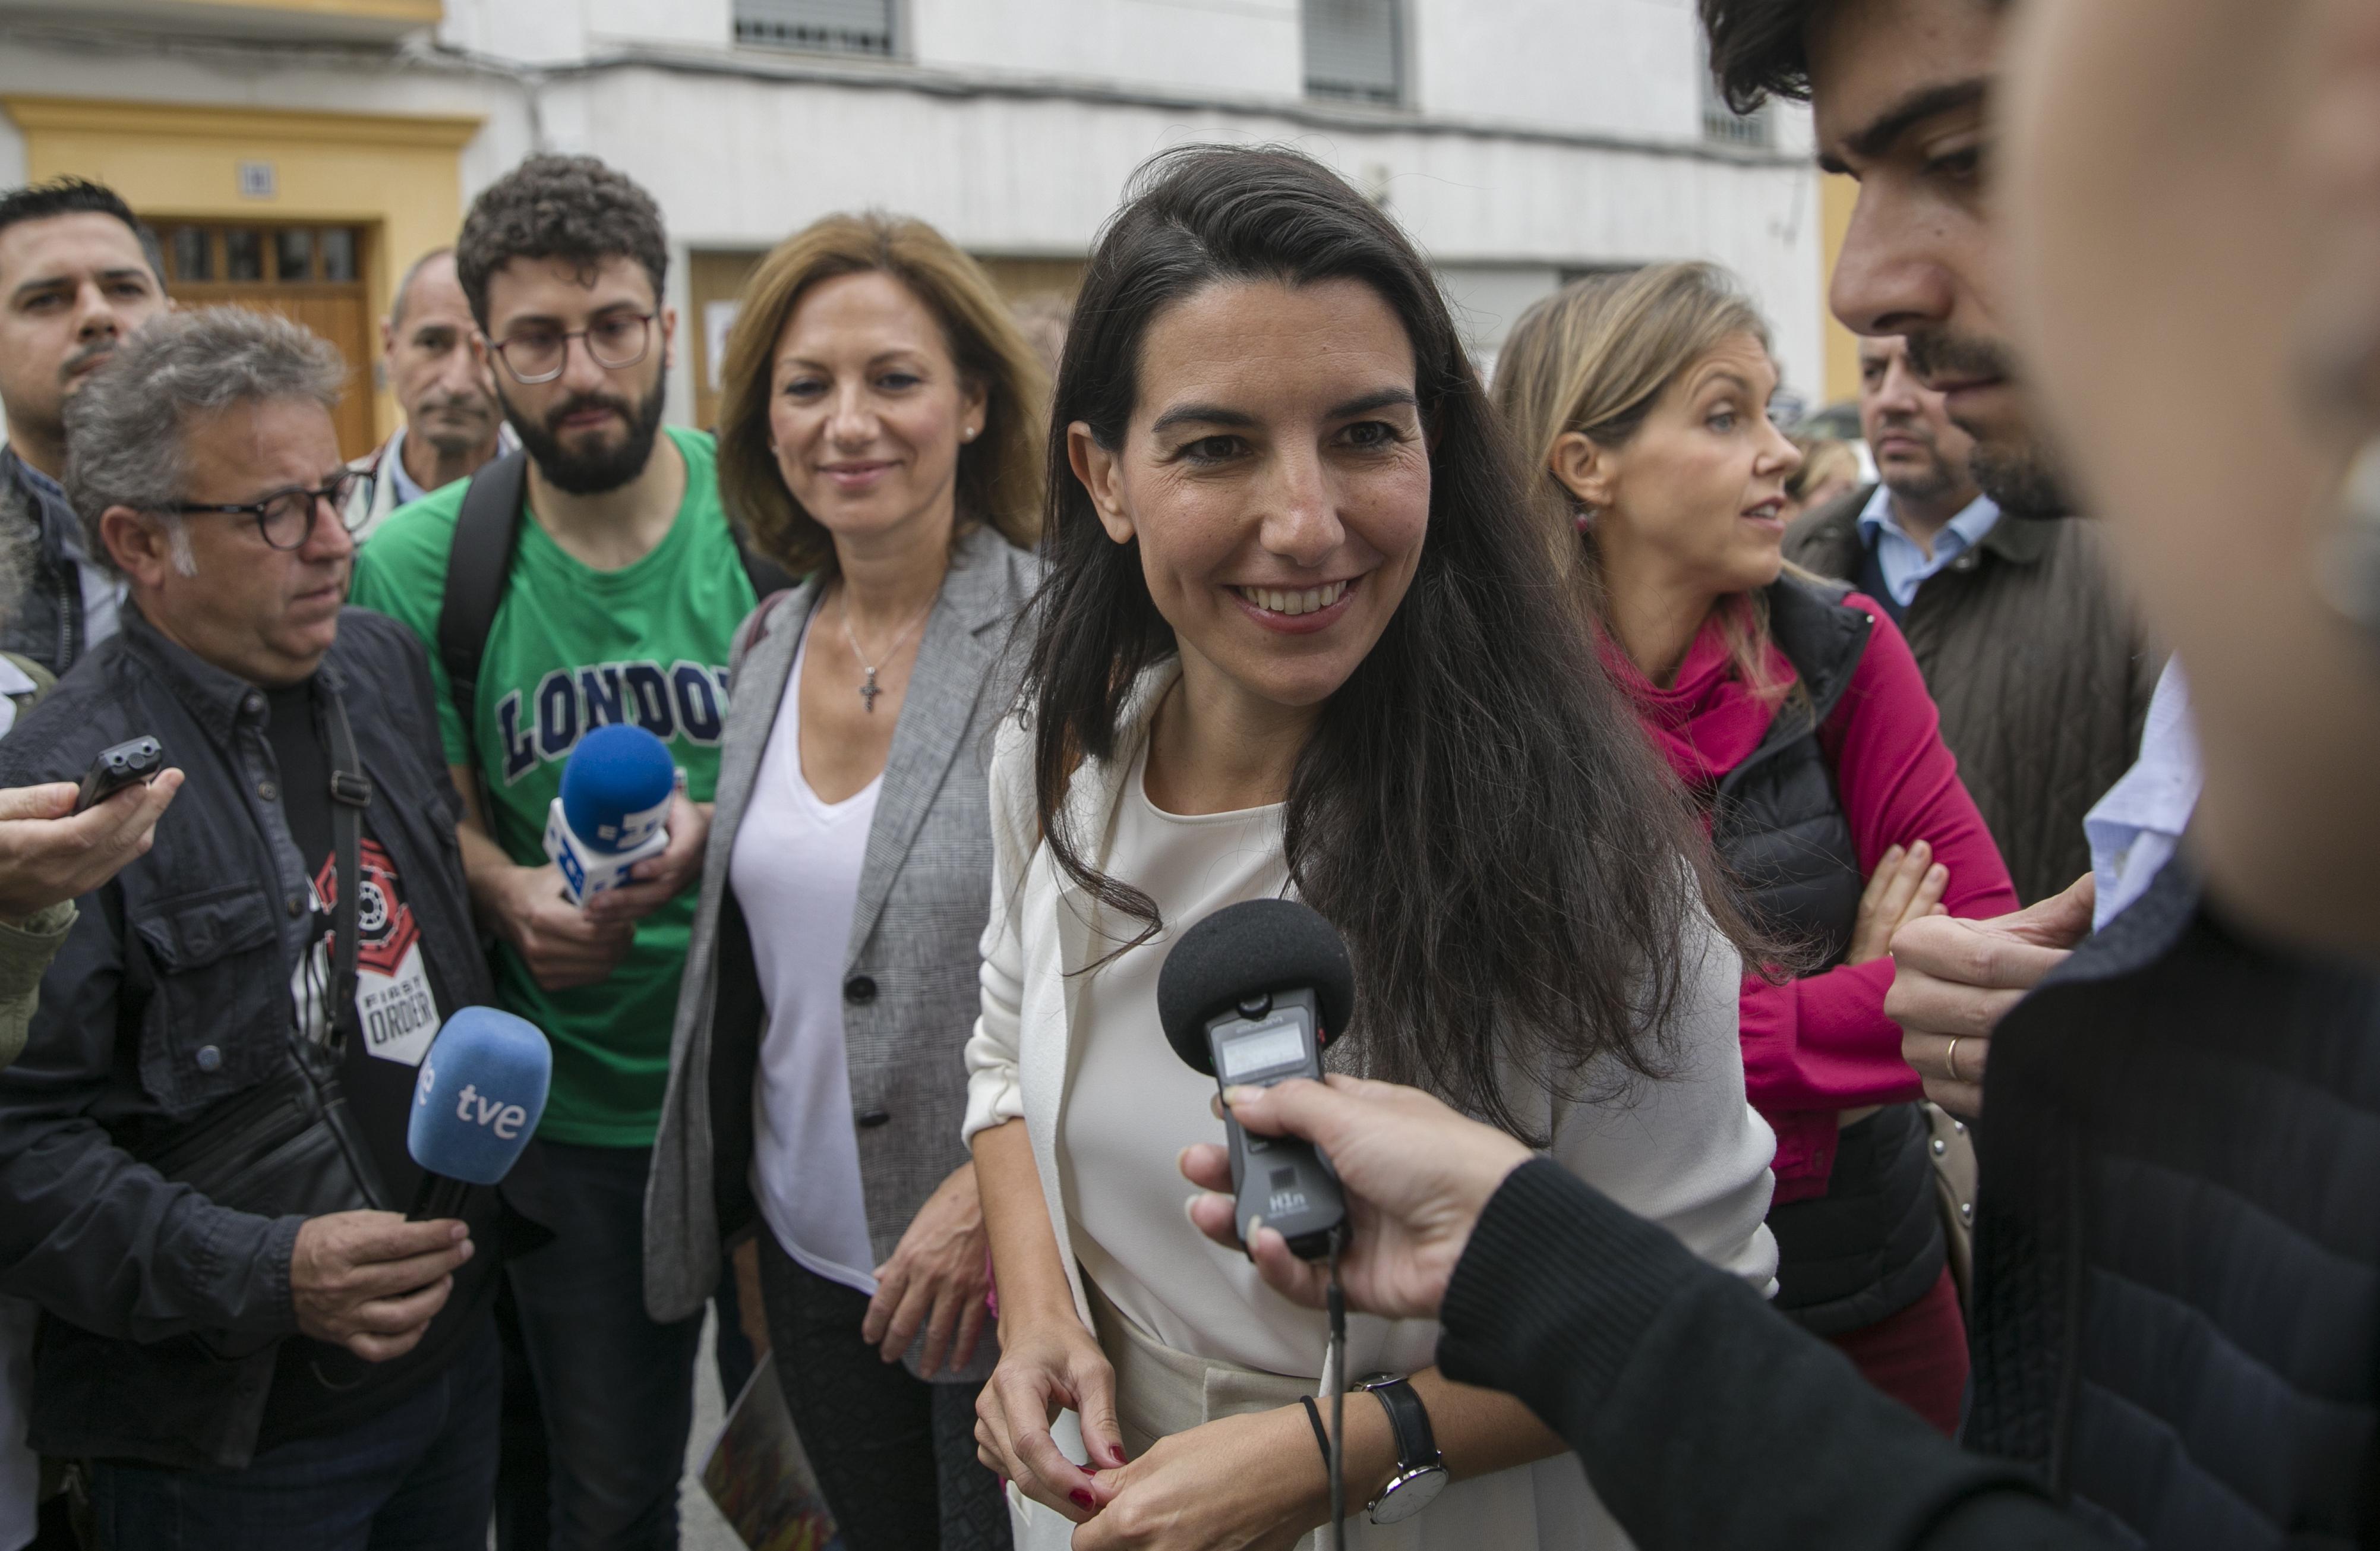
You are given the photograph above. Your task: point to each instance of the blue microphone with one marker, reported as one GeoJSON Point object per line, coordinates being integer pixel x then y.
{"type": "Point", "coordinates": [615, 798]}
{"type": "Point", "coordinates": [475, 1105]}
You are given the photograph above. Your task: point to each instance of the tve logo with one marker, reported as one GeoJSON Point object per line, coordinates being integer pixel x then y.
{"type": "Point", "coordinates": [505, 1119]}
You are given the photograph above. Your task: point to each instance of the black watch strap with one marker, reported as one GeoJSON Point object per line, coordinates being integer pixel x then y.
{"type": "Point", "coordinates": [1409, 1420]}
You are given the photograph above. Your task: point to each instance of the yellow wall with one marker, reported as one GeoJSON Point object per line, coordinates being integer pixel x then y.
{"type": "Point", "coordinates": [398, 174]}
{"type": "Point", "coordinates": [1837, 195]}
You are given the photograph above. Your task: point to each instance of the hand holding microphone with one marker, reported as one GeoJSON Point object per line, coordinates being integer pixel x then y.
{"type": "Point", "coordinates": [371, 1281]}
{"type": "Point", "coordinates": [624, 841]}
{"type": "Point", "coordinates": [613, 812]}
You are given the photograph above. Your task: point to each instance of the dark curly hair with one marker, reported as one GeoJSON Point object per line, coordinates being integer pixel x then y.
{"type": "Point", "coordinates": [572, 208]}
{"type": "Point", "coordinates": [1757, 48]}
{"type": "Point", "coordinates": [1477, 812]}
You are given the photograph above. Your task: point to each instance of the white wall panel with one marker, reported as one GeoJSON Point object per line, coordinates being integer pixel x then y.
{"type": "Point", "coordinates": [1230, 48]}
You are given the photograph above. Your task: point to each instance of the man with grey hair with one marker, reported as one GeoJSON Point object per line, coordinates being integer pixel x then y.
{"type": "Point", "coordinates": [248, 1357]}
{"type": "Point", "coordinates": [439, 370]}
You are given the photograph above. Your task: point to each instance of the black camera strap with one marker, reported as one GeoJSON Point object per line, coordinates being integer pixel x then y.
{"type": "Point", "coordinates": [351, 793]}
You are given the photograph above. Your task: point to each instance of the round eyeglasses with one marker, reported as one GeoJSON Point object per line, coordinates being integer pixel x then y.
{"type": "Point", "coordinates": [538, 355]}
{"type": "Point", "coordinates": [285, 518]}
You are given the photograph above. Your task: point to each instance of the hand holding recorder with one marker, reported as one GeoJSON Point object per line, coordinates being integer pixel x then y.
{"type": "Point", "coordinates": [60, 841]}
{"type": "Point", "coordinates": [1417, 1175]}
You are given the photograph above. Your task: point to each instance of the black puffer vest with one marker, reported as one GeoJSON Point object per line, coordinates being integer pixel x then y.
{"type": "Point", "coordinates": [2177, 1236]}
{"type": "Point", "coordinates": [1872, 1245]}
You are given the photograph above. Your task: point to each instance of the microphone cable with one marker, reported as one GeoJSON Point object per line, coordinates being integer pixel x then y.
{"type": "Point", "coordinates": [1334, 1367]}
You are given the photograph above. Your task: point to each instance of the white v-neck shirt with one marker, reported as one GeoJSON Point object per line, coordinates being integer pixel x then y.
{"type": "Point", "coordinates": [796, 873]}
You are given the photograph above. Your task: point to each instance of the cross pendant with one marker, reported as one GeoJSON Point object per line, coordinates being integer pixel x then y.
{"type": "Point", "coordinates": [868, 691]}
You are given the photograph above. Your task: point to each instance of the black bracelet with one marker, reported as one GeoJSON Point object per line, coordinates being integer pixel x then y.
{"type": "Point", "coordinates": [1321, 1439]}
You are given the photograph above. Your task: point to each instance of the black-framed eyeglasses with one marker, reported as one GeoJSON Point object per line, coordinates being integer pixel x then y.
{"type": "Point", "coordinates": [285, 518]}
{"type": "Point", "coordinates": [538, 355]}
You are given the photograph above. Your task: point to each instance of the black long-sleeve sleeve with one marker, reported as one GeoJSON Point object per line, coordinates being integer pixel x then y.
{"type": "Point", "coordinates": [1704, 1420]}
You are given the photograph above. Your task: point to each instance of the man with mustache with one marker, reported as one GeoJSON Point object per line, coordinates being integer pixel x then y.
{"type": "Point", "coordinates": [453, 426]}
{"type": "Point", "coordinates": [77, 272]}
{"type": "Point", "coordinates": [623, 587]}
{"type": "Point", "coordinates": [2042, 676]}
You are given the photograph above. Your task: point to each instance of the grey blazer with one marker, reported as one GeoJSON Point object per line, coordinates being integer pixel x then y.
{"type": "Point", "coordinates": [910, 989]}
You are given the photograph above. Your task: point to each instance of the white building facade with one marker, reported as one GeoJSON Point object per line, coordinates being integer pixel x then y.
{"type": "Point", "coordinates": [1522, 143]}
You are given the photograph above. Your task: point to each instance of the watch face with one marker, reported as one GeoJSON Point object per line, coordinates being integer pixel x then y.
{"type": "Point", "coordinates": [1408, 1495]}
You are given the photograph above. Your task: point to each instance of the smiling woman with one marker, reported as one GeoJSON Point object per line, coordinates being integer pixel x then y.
{"type": "Point", "coordinates": [1300, 638]}
{"type": "Point", "coordinates": [880, 431]}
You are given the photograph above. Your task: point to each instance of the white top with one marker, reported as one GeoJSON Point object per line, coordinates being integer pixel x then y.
{"type": "Point", "coordinates": [796, 873]}
{"type": "Point", "coordinates": [1689, 1153]}
{"type": "Point", "coordinates": [1133, 1106]}
{"type": "Point", "coordinates": [2137, 826]}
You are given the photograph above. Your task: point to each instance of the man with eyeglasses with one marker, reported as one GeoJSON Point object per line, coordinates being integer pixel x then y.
{"type": "Point", "coordinates": [621, 586]}
{"type": "Point", "coordinates": [234, 1372]}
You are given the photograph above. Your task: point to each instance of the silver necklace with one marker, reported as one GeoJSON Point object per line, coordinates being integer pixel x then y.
{"type": "Point", "coordinates": [869, 690]}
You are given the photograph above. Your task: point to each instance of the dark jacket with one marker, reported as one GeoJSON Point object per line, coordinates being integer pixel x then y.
{"type": "Point", "coordinates": [2042, 674]}
{"type": "Point", "coordinates": [132, 1272]}
{"type": "Point", "coordinates": [47, 623]}
{"type": "Point", "coordinates": [2177, 1236]}
{"type": "Point", "coordinates": [2178, 1293]}
{"type": "Point", "coordinates": [1872, 1244]}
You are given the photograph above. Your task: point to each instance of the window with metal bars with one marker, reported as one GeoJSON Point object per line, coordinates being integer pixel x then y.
{"type": "Point", "coordinates": [817, 25]}
{"type": "Point", "coordinates": [1354, 50]}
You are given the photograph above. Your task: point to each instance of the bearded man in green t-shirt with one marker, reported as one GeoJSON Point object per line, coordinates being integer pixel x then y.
{"type": "Point", "coordinates": [618, 606]}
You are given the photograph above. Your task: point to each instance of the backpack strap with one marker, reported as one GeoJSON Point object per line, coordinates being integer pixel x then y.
{"type": "Point", "coordinates": [478, 560]}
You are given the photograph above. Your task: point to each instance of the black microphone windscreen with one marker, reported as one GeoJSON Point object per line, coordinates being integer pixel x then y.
{"type": "Point", "coordinates": [1257, 945]}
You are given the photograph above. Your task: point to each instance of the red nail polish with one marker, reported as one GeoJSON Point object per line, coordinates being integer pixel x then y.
{"type": "Point", "coordinates": [1082, 1499]}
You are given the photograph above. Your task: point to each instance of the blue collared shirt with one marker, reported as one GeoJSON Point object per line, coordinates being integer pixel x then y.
{"type": "Point", "coordinates": [2137, 826]}
{"type": "Point", "coordinates": [1904, 561]}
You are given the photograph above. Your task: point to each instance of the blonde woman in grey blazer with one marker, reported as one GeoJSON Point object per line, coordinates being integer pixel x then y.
{"type": "Point", "coordinates": [880, 432]}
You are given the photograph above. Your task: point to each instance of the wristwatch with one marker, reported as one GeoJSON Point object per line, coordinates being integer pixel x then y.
{"type": "Point", "coordinates": [1421, 1468]}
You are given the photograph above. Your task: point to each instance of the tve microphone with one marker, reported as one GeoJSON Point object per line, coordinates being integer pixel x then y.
{"type": "Point", "coordinates": [1250, 997]}
{"type": "Point", "coordinates": [615, 797]}
{"type": "Point", "coordinates": [477, 1102]}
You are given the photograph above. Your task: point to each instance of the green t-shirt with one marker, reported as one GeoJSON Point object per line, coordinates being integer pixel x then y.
{"type": "Point", "coordinates": [573, 649]}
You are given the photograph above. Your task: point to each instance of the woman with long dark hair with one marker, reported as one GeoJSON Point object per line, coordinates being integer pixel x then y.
{"type": "Point", "coordinates": [1300, 635]}
{"type": "Point", "coordinates": [1796, 717]}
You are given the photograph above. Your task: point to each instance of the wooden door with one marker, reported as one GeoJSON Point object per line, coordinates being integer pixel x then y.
{"type": "Point", "coordinates": [312, 274]}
